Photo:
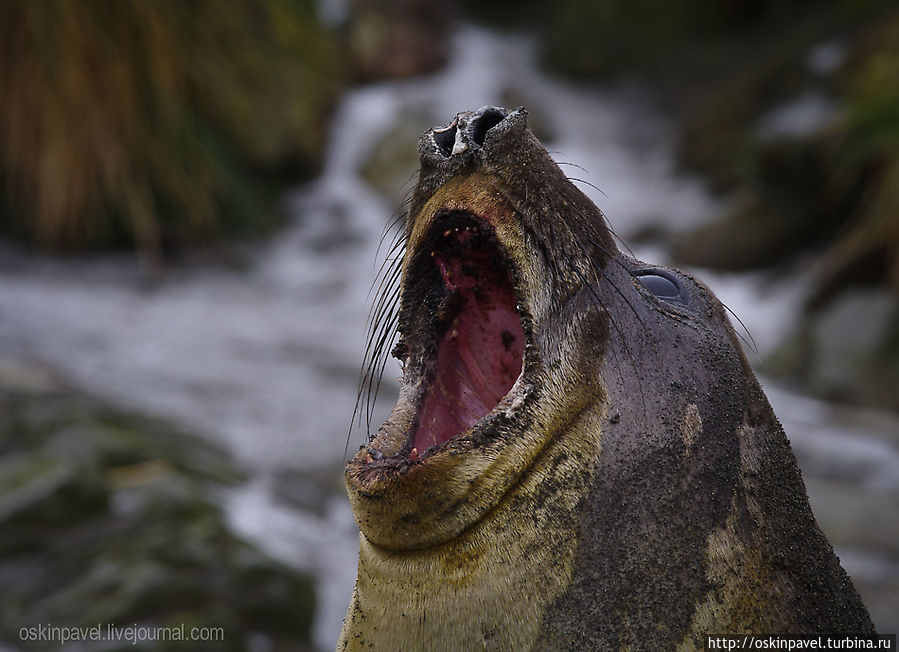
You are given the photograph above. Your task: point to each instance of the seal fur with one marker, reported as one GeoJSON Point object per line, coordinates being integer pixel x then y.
{"type": "Point", "coordinates": [630, 487]}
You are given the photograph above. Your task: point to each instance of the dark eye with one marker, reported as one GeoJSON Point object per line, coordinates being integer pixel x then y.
{"type": "Point", "coordinates": [663, 287]}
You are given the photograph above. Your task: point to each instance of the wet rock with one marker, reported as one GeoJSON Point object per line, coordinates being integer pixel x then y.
{"type": "Point", "coordinates": [747, 238]}
{"type": "Point", "coordinates": [863, 527]}
{"type": "Point", "coordinates": [111, 518]}
{"type": "Point", "coordinates": [392, 166]}
{"type": "Point", "coordinates": [27, 376]}
{"type": "Point", "coordinates": [856, 517]}
{"type": "Point", "coordinates": [846, 332]}
{"type": "Point", "coordinates": [846, 350]}
{"type": "Point", "coordinates": [779, 214]}
{"type": "Point", "coordinates": [309, 490]}
{"type": "Point", "coordinates": [817, 178]}
{"type": "Point", "coordinates": [880, 594]}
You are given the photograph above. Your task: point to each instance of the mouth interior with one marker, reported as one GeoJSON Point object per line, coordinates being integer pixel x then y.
{"type": "Point", "coordinates": [480, 353]}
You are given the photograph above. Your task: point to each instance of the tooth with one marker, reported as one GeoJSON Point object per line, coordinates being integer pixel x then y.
{"type": "Point", "coordinates": [460, 145]}
{"type": "Point", "coordinates": [413, 455]}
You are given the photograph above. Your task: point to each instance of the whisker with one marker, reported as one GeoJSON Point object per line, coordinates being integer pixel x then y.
{"type": "Point", "coordinates": [382, 333]}
{"type": "Point", "coordinates": [592, 185]}
{"type": "Point", "coordinates": [593, 291]}
{"type": "Point", "coordinates": [574, 165]}
{"type": "Point", "coordinates": [382, 321]}
{"type": "Point", "coordinates": [751, 343]}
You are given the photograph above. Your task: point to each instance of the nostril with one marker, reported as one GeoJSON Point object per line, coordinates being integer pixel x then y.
{"type": "Point", "coordinates": [484, 122]}
{"type": "Point", "coordinates": [445, 140]}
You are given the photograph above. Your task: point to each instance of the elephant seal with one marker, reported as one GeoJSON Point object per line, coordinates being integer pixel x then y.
{"type": "Point", "coordinates": [580, 456]}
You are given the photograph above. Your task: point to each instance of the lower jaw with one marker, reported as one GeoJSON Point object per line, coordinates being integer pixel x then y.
{"type": "Point", "coordinates": [403, 504]}
{"type": "Point", "coordinates": [392, 454]}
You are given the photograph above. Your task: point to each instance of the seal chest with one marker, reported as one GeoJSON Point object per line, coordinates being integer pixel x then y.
{"type": "Point", "coordinates": [580, 456]}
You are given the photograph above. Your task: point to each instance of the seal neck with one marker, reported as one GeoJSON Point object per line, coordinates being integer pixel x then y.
{"type": "Point", "coordinates": [468, 591]}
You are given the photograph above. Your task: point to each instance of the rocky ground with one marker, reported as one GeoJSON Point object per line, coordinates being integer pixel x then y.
{"type": "Point", "coordinates": [111, 518]}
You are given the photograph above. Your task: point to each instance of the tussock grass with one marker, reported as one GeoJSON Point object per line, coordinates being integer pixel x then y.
{"type": "Point", "coordinates": [150, 123]}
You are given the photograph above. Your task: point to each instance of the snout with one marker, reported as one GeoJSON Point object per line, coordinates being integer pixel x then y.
{"type": "Point", "coordinates": [470, 132]}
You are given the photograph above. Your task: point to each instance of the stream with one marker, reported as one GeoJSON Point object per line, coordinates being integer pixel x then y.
{"type": "Point", "coordinates": [262, 355]}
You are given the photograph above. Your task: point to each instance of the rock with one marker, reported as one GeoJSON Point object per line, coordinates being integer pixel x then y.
{"type": "Point", "coordinates": [27, 376]}
{"type": "Point", "coordinates": [863, 527]}
{"type": "Point", "coordinates": [846, 333]}
{"type": "Point", "coordinates": [110, 518]}
{"type": "Point", "coordinates": [393, 163]}
{"type": "Point", "coordinates": [852, 516]}
{"type": "Point", "coordinates": [847, 349]}
{"type": "Point", "coordinates": [309, 490]}
{"type": "Point", "coordinates": [778, 214]}
{"type": "Point", "coordinates": [748, 237]}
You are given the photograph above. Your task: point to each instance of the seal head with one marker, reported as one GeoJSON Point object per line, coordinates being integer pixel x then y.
{"type": "Point", "coordinates": [483, 341]}
{"type": "Point", "coordinates": [580, 456]}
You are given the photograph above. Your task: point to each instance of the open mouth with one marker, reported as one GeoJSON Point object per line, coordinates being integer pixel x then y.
{"type": "Point", "coordinates": [480, 337]}
{"type": "Point", "coordinates": [472, 349]}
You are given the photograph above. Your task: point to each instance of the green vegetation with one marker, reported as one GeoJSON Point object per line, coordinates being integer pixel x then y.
{"type": "Point", "coordinates": [156, 124]}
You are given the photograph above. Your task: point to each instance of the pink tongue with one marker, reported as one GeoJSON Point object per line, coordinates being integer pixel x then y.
{"type": "Point", "coordinates": [479, 357]}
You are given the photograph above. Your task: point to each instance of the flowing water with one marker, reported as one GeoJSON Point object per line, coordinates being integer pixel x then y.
{"type": "Point", "coordinates": [264, 357]}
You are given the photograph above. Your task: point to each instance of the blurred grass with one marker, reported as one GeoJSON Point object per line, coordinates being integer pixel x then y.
{"type": "Point", "coordinates": [156, 124]}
